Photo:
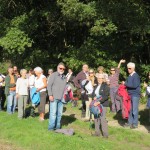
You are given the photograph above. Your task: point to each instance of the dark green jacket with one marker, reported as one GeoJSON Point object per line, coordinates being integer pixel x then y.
{"type": "Point", "coordinates": [8, 84]}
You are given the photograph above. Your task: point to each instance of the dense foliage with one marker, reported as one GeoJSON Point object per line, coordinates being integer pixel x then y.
{"type": "Point", "coordinates": [97, 32]}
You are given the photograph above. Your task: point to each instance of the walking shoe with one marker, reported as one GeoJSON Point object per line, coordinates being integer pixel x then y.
{"type": "Point", "coordinates": [126, 125]}
{"type": "Point", "coordinates": [133, 127]}
{"type": "Point", "coordinates": [96, 134]}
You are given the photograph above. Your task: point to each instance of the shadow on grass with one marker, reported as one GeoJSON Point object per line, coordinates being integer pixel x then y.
{"type": "Point", "coordinates": [145, 118]}
{"type": "Point", "coordinates": [68, 119]}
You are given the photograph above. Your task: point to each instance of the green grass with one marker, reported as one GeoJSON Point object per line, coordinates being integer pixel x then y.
{"type": "Point", "coordinates": [30, 134]}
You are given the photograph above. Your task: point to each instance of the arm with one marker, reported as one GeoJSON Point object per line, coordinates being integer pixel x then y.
{"type": "Point", "coordinates": [121, 61]}
{"type": "Point", "coordinates": [8, 84]}
{"type": "Point", "coordinates": [17, 88]}
{"type": "Point", "coordinates": [76, 81]}
{"type": "Point", "coordinates": [135, 82]}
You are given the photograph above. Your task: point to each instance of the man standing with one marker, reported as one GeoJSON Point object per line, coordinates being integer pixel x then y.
{"type": "Point", "coordinates": [10, 91]}
{"type": "Point", "coordinates": [77, 81]}
{"type": "Point", "coordinates": [133, 87]}
{"type": "Point", "coordinates": [56, 87]}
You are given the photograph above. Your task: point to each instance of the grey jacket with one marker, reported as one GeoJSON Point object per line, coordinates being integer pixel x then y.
{"type": "Point", "coordinates": [56, 85]}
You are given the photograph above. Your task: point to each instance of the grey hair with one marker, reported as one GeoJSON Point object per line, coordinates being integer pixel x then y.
{"type": "Point", "coordinates": [38, 69]}
{"type": "Point", "coordinates": [23, 70]}
{"type": "Point", "coordinates": [131, 64]}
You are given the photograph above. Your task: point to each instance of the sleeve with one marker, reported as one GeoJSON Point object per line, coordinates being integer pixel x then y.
{"type": "Point", "coordinates": [50, 84]}
{"type": "Point", "coordinates": [76, 81]}
{"type": "Point", "coordinates": [8, 84]}
{"type": "Point", "coordinates": [17, 86]}
{"type": "Point", "coordinates": [135, 82]}
{"type": "Point", "coordinates": [106, 94]}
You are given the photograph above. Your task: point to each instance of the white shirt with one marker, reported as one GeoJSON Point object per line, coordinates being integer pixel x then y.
{"type": "Point", "coordinates": [39, 83]}
{"type": "Point", "coordinates": [31, 80]}
{"type": "Point", "coordinates": [132, 73]}
{"type": "Point", "coordinates": [97, 90]}
{"type": "Point", "coordinates": [22, 86]}
{"type": "Point", "coordinates": [68, 76]}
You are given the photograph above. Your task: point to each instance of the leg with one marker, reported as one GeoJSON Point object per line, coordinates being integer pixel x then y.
{"type": "Point", "coordinates": [41, 107]}
{"type": "Point", "coordinates": [87, 116]}
{"type": "Point", "coordinates": [52, 115]}
{"type": "Point", "coordinates": [112, 97]}
{"type": "Point", "coordinates": [103, 122]}
{"type": "Point", "coordinates": [9, 103]}
{"type": "Point", "coordinates": [14, 101]}
{"type": "Point", "coordinates": [25, 99]}
{"type": "Point", "coordinates": [20, 106]}
{"type": "Point", "coordinates": [135, 110]}
{"type": "Point", "coordinates": [97, 126]}
{"type": "Point", "coordinates": [130, 119]}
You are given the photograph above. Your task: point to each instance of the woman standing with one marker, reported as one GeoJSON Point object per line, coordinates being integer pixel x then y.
{"type": "Point", "coordinates": [22, 93]}
{"type": "Point", "coordinates": [102, 90]}
{"type": "Point", "coordinates": [41, 84]}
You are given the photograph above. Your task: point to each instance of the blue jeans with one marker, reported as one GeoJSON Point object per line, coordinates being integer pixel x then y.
{"type": "Point", "coordinates": [56, 110]}
{"type": "Point", "coordinates": [11, 102]}
{"type": "Point", "coordinates": [133, 117]}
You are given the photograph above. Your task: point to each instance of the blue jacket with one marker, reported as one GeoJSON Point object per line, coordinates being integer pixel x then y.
{"type": "Point", "coordinates": [133, 85]}
{"type": "Point", "coordinates": [35, 96]}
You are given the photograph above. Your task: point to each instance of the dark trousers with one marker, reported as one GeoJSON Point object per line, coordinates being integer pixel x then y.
{"type": "Point", "coordinates": [2, 98]}
{"type": "Point", "coordinates": [101, 122]}
{"type": "Point", "coordinates": [84, 98]}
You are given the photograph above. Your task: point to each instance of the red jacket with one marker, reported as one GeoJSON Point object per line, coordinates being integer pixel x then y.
{"type": "Point", "coordinates": [126, 101]}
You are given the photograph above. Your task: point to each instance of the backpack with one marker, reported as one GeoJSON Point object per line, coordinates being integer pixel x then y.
{"type": "Point", "coordinates": [148, 90]}
{"type": "Point", "coordinates": [96, 110]}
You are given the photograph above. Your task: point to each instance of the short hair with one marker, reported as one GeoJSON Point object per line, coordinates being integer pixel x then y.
{"type": "Point", "coordinates": [38, 69]}
{"type": "Point", "coordinates": [61, 63]}
{"type": "Point", "coordinates": [92, 70]}
{"type": "Point", "coordinates": [100, 68]}
{"type": "Point", "coordinates": [131, 64]}
{"type": "Point", "coordinates": [31, 71]}
{"type": "Point", "coordinates": [51, 70]}
{"type": "Point", "coordinates": [23, 70]}
{"type": "Point", "coordinates": [100, 76]}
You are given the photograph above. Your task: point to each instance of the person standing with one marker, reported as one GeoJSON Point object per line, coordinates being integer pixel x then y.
{"type": "Point", "coordinates": [22, 93]}
{"type": "Point", "coordinates": [50, 71]}
{"type": "Point", "coordinates": [40, 84]}
{"type": "Point", "coordinates": [133, 86]}
{"type": "Point", "coordinates": [83, 75]}
{"type": "Point", "coordinates": [102, 90]}
{"type": "Point", "coordinates": [56, 86]}
{"type": "Point", "coordinates": [10, 91]}
{"type": "Point", "coordinates": [113, 83]}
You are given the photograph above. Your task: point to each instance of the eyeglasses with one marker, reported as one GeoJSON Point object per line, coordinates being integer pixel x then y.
{"type": "Point", "coordinates": [129, 68]}
{"type": "Point", "coordinates": [112, 70]}
{"type": "Point", "coordinates": [91, 72]}
{"type": "Point", "coordinates": [62, 68]}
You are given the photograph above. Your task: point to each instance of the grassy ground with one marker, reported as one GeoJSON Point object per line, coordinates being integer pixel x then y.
{"type": "Point", "coordinates": [30, 134]}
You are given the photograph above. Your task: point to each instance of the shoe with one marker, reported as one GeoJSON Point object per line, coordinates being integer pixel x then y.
{"type": "Point", "coordinates": [105, 136]}
{"type": "Point", "coordinates": [86, 119]}
{"type": "Point", "coordinates": [96, 134]}
{"type": "Point", "coordinates": [133, 127]}
{"type": "Point", "coordinates": [41, 119]}
{"type": "Point", "coordinates": [126, 125]}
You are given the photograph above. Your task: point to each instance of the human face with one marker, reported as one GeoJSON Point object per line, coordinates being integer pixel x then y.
{"type": "Point", "coordinates": [130, 70]}
{"type": "Point", "coordinates": [85, 68]}
{"type": "Point", "coordinates": [112, 71]}
{"type": "Point", "coordinates": [10, 71]}
{"type": "Point", "coordinates": [100, 80]}
{"type": "Point", "coordinates": [91, 73]}
{"type": "Point", "coordinates": [61, 69]}
{"type": "Point", "coordinates": [23, 74]}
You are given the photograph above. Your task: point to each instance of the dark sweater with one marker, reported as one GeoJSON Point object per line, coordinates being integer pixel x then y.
{"type": "Point", "coordinates": [133, 84]}
{"type": "Point", "coordinates": [104, 92]}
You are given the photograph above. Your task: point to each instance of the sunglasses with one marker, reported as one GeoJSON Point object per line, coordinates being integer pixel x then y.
{"type": "Point", "coordinates": [62, 68]}
{"type": "Point", "coordinates": [112, 70]}
{"type": "Point", "coordinates": [129, 68]}
{"type": "Point", "coordinates": [91, 72]}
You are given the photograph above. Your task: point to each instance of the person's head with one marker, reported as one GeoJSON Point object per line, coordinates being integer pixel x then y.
{"type": "Point", "coordinates": [61, 68]}
{"type": "Point", "coordinates": [100, 69]}
{"type": "Point", "coordinates": [91, 72]}
{"type": "Point", "coordinates": [149, 75]}
{"type": "Point", "coordinates": [85, 68]}
{"type": "Point", "coordinates": [112, 70]}
{"type": "Point", "coordinates": [50, 71]}
{"type": "Point", "coordinates": [38, 71]}
{"type": "Point", "coordinates": [100, 79]}
{"type": "Point", "coordinates": [10, 71]}
{"type": "Point", "coordinates": [15, 68]}
{"type": "Point", "coordinates": [69, 70]}
{"type": "Point", "coordinates": [31, 72]}
{"type": "Point", "coordinates": [23, 73]}
{"type": "Point", "coordinates": [131, 67]}
{"type": "Point", "coordinates": [1, 79]}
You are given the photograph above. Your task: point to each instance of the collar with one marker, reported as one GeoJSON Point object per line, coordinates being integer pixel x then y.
{"type": "Point", "coordinates": [132, 73]}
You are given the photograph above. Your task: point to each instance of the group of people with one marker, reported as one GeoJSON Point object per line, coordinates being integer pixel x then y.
{"type": "Point", "coordinates": [18, 89]}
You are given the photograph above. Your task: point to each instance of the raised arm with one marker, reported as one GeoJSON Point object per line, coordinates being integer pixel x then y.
{"type": "Point", "coordinates": [121, 61]}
